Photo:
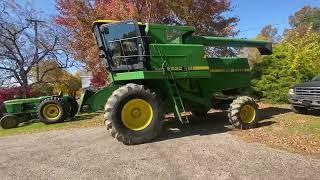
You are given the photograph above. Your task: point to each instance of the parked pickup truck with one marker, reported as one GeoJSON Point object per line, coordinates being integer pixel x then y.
{"type": "Point", "coordinates": [305, 96]}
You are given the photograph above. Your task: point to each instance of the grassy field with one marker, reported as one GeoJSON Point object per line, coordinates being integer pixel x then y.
{"type": "Point", "coordinates": [80, 121]}
{"type": "Point", "coordinates": [283, 129]}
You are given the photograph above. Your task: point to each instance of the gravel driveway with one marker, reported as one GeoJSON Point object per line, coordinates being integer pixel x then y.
{"type": "Point", "coordinates": [198, 151]}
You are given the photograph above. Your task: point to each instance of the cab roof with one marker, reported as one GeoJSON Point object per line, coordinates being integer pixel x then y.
{"type": "Point", "coordinates": [107, 21]}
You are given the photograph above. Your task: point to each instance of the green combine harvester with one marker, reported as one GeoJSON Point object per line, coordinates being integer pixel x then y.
{"type": "Point", "coordinates": [158, 69]}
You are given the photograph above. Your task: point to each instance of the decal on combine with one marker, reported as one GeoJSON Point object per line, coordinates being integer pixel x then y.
{"type": "Point", "coordinates": [202, 68]}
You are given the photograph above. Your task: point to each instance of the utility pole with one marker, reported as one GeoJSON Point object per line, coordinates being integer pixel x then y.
{"type": "Point", "coordinates": [36, 43]}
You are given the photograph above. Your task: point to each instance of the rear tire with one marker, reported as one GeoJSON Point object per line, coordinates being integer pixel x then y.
{"type": "Point", "coordinates": [134, 114]}
{"type": "Point", "coordinates": [74, 107]}
{"type": "Point", "coordinates": [243, 113]}
{"type": "Point", "coordinates": [299, 109]}
{"type": "Point", "coordinates": [52, 110]}
{"type": "Point", "coordinates": [9, 121]}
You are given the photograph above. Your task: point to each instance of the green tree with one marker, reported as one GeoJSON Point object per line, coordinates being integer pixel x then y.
{"type": "Point", "coordinates": [54, 79]}
{"type": "Point", "coordinates": [305, 17]}
{"type": "Point", "coordinates": [77, 17]}
{"type": "Point", "coordinates": [295, 59]}
{"type": "Point", "coordinates": [268, 33]}
{"type": "Point", "coordinates": [42, 89]}
{"type": "Point", "coordinates": [67, 83]}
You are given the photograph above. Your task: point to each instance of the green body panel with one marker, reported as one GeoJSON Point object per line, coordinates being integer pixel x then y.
{"type": "Point", "coordinates": [197, 87]}
{"type": "Point", "coordinates": [140, 75]}
{"type": "Point", "coordinates": [264, 47]}
{"type": "Point", "coordinates": [15, 106]}
{"type": "Point", "coordinates": [165, 34]}
{"type": "Point", "coordinates": [181, 56]}
{"type": "Point", "coordinates": [92, 101]}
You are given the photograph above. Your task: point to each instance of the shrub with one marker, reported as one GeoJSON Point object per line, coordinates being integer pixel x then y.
{"type": "Point", "coordinates": [294, 60]}
{"type": "Point", "coordinates": [10, 93]}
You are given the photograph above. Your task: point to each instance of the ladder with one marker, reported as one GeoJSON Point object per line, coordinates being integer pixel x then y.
{"type": "Point", "coordinates": [173, 91]}
{"type": "Point", "coordinates": [177, 100]}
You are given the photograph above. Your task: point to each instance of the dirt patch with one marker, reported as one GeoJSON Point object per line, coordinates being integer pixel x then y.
{"type": "Point", "coordinates": [283, 129]}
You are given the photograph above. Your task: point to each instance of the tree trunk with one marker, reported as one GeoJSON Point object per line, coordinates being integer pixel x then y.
{"type": "Point", "coordinates": [24, 85]}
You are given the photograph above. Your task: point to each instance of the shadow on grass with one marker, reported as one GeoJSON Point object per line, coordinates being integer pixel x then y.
{"type": "Point", "coordinates": [266, 115]}
{"type": "Point", "coordinates": [314, 112]}
{"type": "Point", "coordinates": [27, 123]}
{"type": "Point", "coordinates": [214, 123]}
{"type": "Point", "coordinates": [270, 112]}
{"type": "Point", "coordinates": [82, 117]}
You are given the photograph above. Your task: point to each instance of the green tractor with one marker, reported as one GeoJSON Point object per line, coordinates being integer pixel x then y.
{"type": "Point", "coordinates": [48, 109]}
{"type": "Point", "coordinates": [157, 69]}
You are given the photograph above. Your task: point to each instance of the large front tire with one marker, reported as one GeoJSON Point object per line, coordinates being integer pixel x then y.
{"type": "Point", "coordinates": [243, 113]}
{"type": "Point", "coordinates": [134, 113]}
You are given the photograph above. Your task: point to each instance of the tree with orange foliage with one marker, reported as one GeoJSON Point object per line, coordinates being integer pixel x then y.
{"type": "Point", "coordinates": [77, 17]}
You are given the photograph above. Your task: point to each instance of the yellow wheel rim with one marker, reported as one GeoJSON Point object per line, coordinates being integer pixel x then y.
{"type": "Point", "coordinates": [137, 114]}
{"type": "Point", "coordinates": [52, 112]}
{"type": "Point", "coordinates": [247, 113]}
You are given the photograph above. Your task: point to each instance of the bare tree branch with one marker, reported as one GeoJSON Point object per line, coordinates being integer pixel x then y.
{"type": "Point", "coordinates": [24, 44]}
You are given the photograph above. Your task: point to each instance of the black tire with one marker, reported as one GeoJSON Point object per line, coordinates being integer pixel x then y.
{"type": "Point", "coordinates": [237, 107]}
{"type": "Point", "coordinates": [113, 117]}
{"type": "Point", "coordinates": [299, 109]}
{"type": "Point", "coordinates": [73, 107]}
{"type": "Point", "coordinates": [57, 102]}
{"type": "Point", "coordinates": [9, 121]}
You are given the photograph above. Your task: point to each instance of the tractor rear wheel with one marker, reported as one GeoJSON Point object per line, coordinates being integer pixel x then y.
{"type": "Point", "coordinates": [135, 114]}
{"type": "Point", "coordinates": [73, 106]}
{"type": "Point", "coordinates": [9, 121]}
{"type": "Point", "coordinates": [243, 112]}
{"type": "Point", "coordinates": [53, 110]}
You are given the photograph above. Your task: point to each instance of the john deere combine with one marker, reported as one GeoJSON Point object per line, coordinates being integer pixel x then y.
{"type": "Point", "coordinates": [157, 69]}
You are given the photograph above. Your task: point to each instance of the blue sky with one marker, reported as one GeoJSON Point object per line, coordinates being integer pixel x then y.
{"type": "Point", "coordinates": [253, 14]}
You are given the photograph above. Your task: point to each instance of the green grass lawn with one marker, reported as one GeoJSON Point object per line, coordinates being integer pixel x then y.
{"type": "Point", "coordinates": [33, 126]}
{"type": "Point", "coordinates": [305, 125]}
{"type": "Point", "coordinates": [281, 128]}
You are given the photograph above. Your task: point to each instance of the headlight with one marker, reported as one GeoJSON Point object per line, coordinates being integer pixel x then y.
{"type": "Point", "coordinates": [291, 92]}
